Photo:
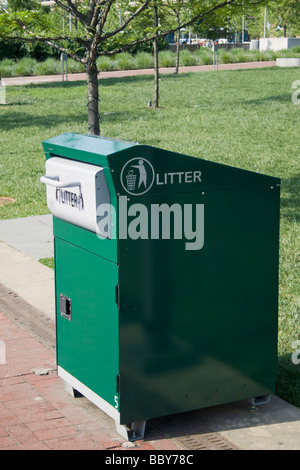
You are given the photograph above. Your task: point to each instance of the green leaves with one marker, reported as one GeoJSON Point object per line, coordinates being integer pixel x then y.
{"type": "Point", "coordinates": [24, 22]}
{"type": "Point", "coordinates": [119, 25]}
{"type": "Point", "coordinates": [22, 5]}
{"type": "Point", "coordinates": [286, 13]}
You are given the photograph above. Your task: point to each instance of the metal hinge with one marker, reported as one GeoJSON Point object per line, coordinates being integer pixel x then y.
{"type": "Point", "coordinates": [117, 293]}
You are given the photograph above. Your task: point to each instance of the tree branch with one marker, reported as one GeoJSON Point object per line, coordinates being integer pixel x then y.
{"type": "Point", "coordinates": [160, 34]}
{"type": "Point", "coordinates": [50, 42]}
{"type": "Point", "coordinates": [71, 8]}
{"type": "Point", "coordinates": [164, 33]}
{"type": "Point", "coordinates": [126, 22]}
{"type": "Point", "coordinates": [95, 15]}
{"type": "Point", "coordinates": [91, 9]}
{"type": "Point", "coordinates": [105, 13]}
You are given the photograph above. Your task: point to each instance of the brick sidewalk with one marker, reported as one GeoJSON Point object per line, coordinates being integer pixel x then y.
{"type": "Point", "coordinates": [36, 413]}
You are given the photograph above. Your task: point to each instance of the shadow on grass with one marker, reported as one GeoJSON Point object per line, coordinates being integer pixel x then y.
{"type": "Point", "coordinates": [288, 386]}
{"type": "Point", "coordinates": [54, 85]}
{"type": "Point", "coordinates": [102, 81]}
{"type": "Point", "coordinates": [290, 198]}
{"type": "Point", "coordinates": [286, 98]}
{"type": "Point", "coordinates": [126, 115]}
{"type": "Point", "coordinates": [15, 103]}
{"type": "Point", "coordinates": [14, 120]}
{"type": "Point", "coordinates": [129, 80]}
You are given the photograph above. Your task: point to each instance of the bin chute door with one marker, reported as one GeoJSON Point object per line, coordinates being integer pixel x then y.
{"type": "Point", "coordinates": [75, 191]}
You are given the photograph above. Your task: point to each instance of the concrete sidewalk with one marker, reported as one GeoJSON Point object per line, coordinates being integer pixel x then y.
{"type": "Point", "coordinates": [37, 413]}
{"type": "Point", "coordinates": [24, 242]}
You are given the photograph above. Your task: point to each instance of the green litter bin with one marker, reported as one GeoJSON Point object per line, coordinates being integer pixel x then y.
{"type": "Point", "coordinates": [166, 278]}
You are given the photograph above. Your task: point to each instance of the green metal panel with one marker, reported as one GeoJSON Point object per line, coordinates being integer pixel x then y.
{"type": "Point", "coordinates": [84, 147]}
{"type": "Point", "coordinates": [199, 328]}
{"type": "Point", "coordinates": [174, 173]}
{"type": "Point", "coordinates": [107, 248]}
{"type": "Point", "coordinates": [88, 345]}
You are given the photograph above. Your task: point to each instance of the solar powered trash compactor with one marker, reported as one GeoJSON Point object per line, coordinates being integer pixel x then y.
{"type": "Point", "coordinates": [166, 277]}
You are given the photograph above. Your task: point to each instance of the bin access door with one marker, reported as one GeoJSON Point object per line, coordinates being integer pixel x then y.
{"type": "Point", "coordinates": [87, 321]}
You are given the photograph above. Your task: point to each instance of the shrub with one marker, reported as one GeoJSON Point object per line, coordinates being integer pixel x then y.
{"type": "Point", "coordinates": [273, 55]}
{"type": "Point", "coordinates": [205, 58]}
{"type": "Point", "coordinates": [242, 56]}
{"type": "Point", "coordinates": [144, 60]}
{"type": "Point", "coordinates": [125, 61]}
{"type": "Point", "coordinates": [25, 67]}
{"type": "Point", "coordinates": [224, 57]}
{"type": "Point", "coordinates": [281, 54]}
{"type": "Point", "coordinates": [186, 58]}
{"type": "Point", "coordinates": [75, 67]}
{"type": "Point", "coordinates": [105, 64]}
{"type": "Point", "coordinates": [293, 52]}
{"type": "Point", "coordinates": [254, 56]}
{"type": "Point", "coordinates": [166, 59]}
{"type": "Point", "coordinates": [233, 53]}
{"type": "Point", "coordinates": [7, 62]}
{"type": "Point", "coordinates": [265, 56]}
{"type": "Point", "coordinates": [251, 57]}
{"type": "Point", "coordinates": [7, 68]}
{"type": "Point", "coordinates": [48, 67]}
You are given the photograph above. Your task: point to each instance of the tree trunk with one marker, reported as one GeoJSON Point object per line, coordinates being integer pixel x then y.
{"type": "Point", "coordinates": [155, 54]}
{"type": "Point", "coordinates": [177, 45]}
{"type": "Point", "coordinates": [177, 54]}
{"type": "Point", "coordinates": [156, 74]}
{"type": "Point", "coordinates": [93, 99]}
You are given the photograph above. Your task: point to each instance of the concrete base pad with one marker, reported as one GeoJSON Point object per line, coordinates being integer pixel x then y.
{"type": "Point", "coordinates": [293, 62]}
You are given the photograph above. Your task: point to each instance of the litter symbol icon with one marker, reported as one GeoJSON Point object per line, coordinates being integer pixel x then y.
{"type": "Point", "coordinates": [137, 176]}
{"type": "Point", "coordinates": [131, 180]}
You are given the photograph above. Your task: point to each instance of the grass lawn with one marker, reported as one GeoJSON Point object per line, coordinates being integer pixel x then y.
{"type": "Point", "coordinates": [243, 118]}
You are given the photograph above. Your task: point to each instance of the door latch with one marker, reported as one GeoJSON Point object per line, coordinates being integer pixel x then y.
{"type": "Point", "coordinates": [65, 306]}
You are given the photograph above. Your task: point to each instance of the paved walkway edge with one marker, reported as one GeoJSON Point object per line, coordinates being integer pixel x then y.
{"type": "Point", "coordinates": [132, 73]}
{"type": "Point", "coordinates": [27, 277]}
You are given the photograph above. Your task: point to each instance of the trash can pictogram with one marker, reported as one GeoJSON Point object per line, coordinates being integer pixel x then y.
{"type": "Point", "coordinates": [131, 180]}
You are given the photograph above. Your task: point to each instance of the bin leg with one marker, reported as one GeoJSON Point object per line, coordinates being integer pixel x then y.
{"type": "Point", "coordinates": [134, 432]}
{"type": "Point", "coordinates": [262, 400]}
{"type": "Point", "coordinates": [71, 390]}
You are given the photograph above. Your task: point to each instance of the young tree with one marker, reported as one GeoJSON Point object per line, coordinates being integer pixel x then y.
{"type": "Point", "coordinates": [99, 29]}
{"type": "Point", "coordinates": [155, 54]}
{"type": "Point", "coordinates": [178, 11]}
